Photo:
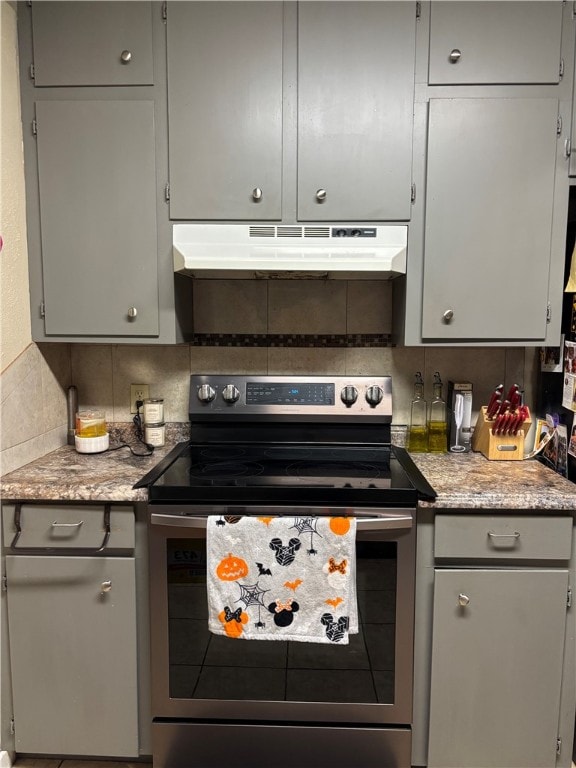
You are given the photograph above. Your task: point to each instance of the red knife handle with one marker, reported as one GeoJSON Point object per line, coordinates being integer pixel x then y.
{"type": "Point", "coordinates": [492, 409]}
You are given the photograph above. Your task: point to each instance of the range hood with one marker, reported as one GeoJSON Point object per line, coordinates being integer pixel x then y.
{"type": "Point", "coordinates": [309, 251]}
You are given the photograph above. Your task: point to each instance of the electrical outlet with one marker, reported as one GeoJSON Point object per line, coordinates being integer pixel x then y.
{"type": "Point", "coordinates": [138, 392]}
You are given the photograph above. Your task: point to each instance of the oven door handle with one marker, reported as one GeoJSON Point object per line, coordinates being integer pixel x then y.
{"type": "Point", "coordinates": [369, 521]}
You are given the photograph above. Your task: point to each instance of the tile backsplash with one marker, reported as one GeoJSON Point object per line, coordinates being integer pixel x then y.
{"type": "Point", "coordinates": [33, 403]}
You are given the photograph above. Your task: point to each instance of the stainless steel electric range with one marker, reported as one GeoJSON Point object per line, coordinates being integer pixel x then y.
{"type": "Point", "coordinates": [302, 447]}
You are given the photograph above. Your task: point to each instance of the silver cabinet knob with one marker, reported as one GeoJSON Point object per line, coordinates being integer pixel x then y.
{"type": "Point", "coordinates": [321, 195]}
{"type": "Point", "coordinates": [455, 55]}
{"type": "Point", "coordinates": [230, 393]}
{"type": "Point", "coordinates": [349, 395]}
{"type": "Point", "coordinates": [448, 315]}
{"type": "Point", "coordinates": [125, 57]}
{"type": "Point", "coordinates": [206, 393]}
{"type": "Point", "coordinates": [106, 586]}
{"type": "Point", "coordinates": [463, 600]}
{"type": "Point", "coordinates": [256, 194]}
{"type": "Point", "coordinates": [132, 312]}
{"type": "Point", "coordinates": [374, 395]}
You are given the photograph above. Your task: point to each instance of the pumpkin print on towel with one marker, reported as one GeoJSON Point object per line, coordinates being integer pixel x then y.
{"type": "Point", "coordinates": [232, 568]}
{"type": "Point", "coordinates": [233, 621]}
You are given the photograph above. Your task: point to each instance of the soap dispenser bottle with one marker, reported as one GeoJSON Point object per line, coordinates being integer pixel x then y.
{"type": "Point", "coordinates": [418, 433]}
{"type": "Point", "coordinates": [437, 426]}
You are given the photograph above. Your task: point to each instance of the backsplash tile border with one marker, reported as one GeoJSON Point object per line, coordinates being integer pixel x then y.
{"type": "Point", "coordinates": [342, 340]}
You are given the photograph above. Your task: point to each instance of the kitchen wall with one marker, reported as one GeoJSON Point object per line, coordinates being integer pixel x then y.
{"type": "Point", "coordinates": [244, 327]}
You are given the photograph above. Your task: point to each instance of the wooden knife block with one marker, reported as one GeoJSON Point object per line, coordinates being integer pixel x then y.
{"type": "Point", "coordinates": [498, 447]}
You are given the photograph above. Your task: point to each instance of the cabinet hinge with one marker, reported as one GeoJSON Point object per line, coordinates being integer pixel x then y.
{"type": "Point", "coordinates": [569, 598]}
{"type": "Point", "coordinates": [559, 126]}
{"type": "Point", "coordinates": [167, 193]}
{"type": "Point", "coordinates": [548, 313]}
{"type": "Point", "coordinates": [164, 11]}
{"type": "Point", "coordinates": [567, 148]}
{"type": "Point", "coordinates": [12, 727]}
{"type": "Point", "coordinates": [418, 10]}
{"type": "Point", "coordinates": [32, 71]}
{"type": "Point", "coordinates": [42, 309]}
{"type": "Point", "coordinates": [561, 69]}
{"type": "Point", "coordinates": [558, 745]}
{"type": "Point", "coordinates": [413, 193]}
{"type": "Point", "coordinates": [34, 127]}
{"type": "Point", "coordinates": [4, 583]}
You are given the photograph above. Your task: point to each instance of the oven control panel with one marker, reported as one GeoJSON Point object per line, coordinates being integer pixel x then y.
{"type": "Point", "coordinates": [303, 396]}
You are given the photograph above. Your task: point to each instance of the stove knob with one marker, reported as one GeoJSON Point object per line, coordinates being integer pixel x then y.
{"type": "Point", "coordinates": [230, 393]}
{"type": "Point", "coordinates": [349, 395]}
{"type": "Point", "coordinates": [374, 395]}
{"type": "Point", "coordinates": [206, 394]}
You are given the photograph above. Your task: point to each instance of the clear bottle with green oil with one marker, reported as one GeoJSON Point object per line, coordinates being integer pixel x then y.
{"type": "Point", "coordinates": [418, 433]}
{"type": "Point", "coordinates": [437, 425]}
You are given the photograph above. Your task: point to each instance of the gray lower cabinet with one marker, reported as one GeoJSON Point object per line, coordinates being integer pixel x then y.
{"type": "Point", "coordinates": [69, 620]}
{"type": "Point", "coordinates": [97, 193]}
{"type": "Point", "coordinates": [497, 662]}
{"type": "Point", "coordinates": [489, 212]}
{"type": "Point", "coordinates": [92, 43]}
{"type": "Point", "coordinates": [281, 110]}
{"type": "Point", "coordinates": [73, 646]}
{"type": "Point", "coordinates": [495, 43]}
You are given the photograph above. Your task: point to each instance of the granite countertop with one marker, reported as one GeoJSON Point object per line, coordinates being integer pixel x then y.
{"type": "Point", "coordinates": [466, 481]}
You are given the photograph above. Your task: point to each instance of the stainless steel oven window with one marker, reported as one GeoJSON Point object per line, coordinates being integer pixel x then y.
{"type": "Point", "coordinates": [199, 675]}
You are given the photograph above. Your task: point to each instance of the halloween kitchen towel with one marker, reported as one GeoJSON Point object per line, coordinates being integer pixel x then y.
{"type": "Point", "coordinates": [282, 578]}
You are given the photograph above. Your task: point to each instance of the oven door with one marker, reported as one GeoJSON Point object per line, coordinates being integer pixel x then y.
{"type": "Point", "coordinates": [200, 676]}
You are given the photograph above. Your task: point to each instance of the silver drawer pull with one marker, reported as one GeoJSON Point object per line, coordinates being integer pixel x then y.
{"type": "Point", "coordinates": [463, 600]}
{"type": "Point", "coordinates": [56, 524]}
{"type": "Point", "coordinates": [493, 535]}
{"type": "Point", "coordinates": [106, 586]}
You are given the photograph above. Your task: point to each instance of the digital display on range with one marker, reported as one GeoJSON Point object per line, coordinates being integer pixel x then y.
{"type": "Point", "coordinates": [289, 394]}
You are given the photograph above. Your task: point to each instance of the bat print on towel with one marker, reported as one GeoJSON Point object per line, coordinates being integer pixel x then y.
{"type": "Point", "coordinates": [285, 553]}
{"type": "Point", "coordinates": [335, 628]}
{"type": "Point", "coordinates": [263, 571]}
{"type": "Point", "coordinates": [283, 612]}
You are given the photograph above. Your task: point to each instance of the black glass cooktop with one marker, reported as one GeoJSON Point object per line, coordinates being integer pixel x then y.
{"type": "Point", "coordinates": [372, 475]}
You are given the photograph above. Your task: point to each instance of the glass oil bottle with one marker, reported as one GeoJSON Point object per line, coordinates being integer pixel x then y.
{"type": "Point", "coordinates": [418, 433]}
{"type": "Point", "coordinates": [437, 425]}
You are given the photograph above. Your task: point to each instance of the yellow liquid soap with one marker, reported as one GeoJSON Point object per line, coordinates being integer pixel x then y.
{"type": "Point", "coordinates": [418, 439]}
{"type": "Point", "coordinates": [437, 437]}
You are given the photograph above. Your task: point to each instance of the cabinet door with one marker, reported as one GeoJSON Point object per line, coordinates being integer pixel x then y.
{"type": "Point", "coordinates": [97, 180]}
{"type": "Point", "coordinates": [495, 42]}
{"type": "Point", "coordinates": [73, 655]}
{"type": "Point", "coordinates": [496, 668]}
{"type": "Point", "coordinates": [490, 190]}
{"type": "Point", "coordinates": [225, 109]}
{"type": "Point", "coordinates": [92, 43]}
{"type": "Point", "coordinates": [355, 104]}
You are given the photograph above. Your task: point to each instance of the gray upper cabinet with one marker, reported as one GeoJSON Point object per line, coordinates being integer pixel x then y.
{"type": "Point", "coordinates": [97, 190]}
{"type": "Point", "coordinates": [355, 105]}
{"type": "Point", "coordinates": [276, 114]}
{"type": "Point", "coordinates": [225, 109]}
{"type": "Point", "coordinates": [489, 205]}
{"type": "Point", "coordinates": [495, 42]}
{"type": "Point", "coordinates": [92, 43]}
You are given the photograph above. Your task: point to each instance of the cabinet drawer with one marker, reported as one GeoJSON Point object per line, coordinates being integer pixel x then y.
{"type": "Point", "coordinates": [68, 527]}
{"type": "Point", "coordinates": [502, 537]}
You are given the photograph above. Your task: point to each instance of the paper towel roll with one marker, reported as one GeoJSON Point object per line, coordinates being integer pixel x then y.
{"type": "Point", "coordinates": [571, 284]}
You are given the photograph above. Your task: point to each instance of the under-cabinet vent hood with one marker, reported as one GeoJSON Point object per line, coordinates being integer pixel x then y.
{"type": "Point", "coordinates": [270, 251]}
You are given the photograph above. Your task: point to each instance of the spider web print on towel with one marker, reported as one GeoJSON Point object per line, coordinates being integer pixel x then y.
{"type": "Point", "coordinates": [282, 578]}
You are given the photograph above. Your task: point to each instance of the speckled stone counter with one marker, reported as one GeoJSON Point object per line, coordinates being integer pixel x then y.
{"type": "Point", "coordinates": [467, 481]}
{"type": "Point", "coordinates": [470, 481]}
{"type": "Point", "coordinates": [109, 476]}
